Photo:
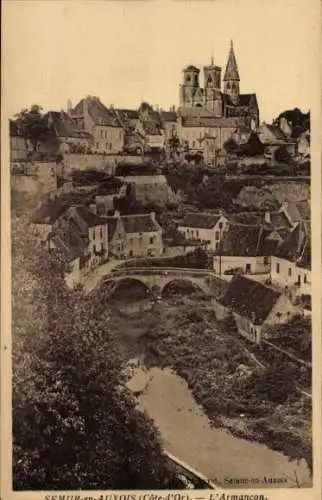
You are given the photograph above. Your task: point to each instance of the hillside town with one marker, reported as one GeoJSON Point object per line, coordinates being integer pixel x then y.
{"type": "Point", "coordinates": [204, 194]}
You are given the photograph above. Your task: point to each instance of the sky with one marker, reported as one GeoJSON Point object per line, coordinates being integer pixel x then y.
{"type": "Point", "coordinates": [126, 52]}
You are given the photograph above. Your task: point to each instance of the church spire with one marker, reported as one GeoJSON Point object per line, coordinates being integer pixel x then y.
{"type": "Point", "coordinates": [231, 78]}
{"type": "Point", "coordinates": [231, 72]}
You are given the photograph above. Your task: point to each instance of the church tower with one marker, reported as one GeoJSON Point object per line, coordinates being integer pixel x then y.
{"type": "Point", "coordinates": [189, 90]}
{"type": "Point", "coordinates": [231, 78]}
{"type": "Point", "coordinates": [212, 84]}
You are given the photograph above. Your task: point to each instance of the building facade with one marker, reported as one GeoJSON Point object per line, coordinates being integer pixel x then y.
{"type": "Point", "coordinates": [137, 235]}
{"type": "Point", "coordinates": [209, 229]}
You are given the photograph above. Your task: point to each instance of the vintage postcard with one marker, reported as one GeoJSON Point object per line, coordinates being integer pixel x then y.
{"type": "Point", "coordinates": [161, 250]}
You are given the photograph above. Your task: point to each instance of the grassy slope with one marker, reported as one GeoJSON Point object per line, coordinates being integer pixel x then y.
{"type": "Point", "coordinates": [186, 337]}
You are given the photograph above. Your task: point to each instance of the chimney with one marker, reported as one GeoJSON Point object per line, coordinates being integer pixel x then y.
{"type": "Point", "coordinates": [152, 215]}
{"type": "Point", "coordinates": [267, 217]}
{"type": "Point", "coordinates": [117, 214]}
{"type": "Point", "coordinates": [69, 106]}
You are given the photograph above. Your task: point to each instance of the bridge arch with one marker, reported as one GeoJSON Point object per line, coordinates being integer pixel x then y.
{"type": "Point", "coordinates": [128, 286]}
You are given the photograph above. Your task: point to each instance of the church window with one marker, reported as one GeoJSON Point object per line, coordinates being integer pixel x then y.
{"type": "Point", "coordinates": [188, 79]}
{"type": "Point", "coordinates": [228, 86]}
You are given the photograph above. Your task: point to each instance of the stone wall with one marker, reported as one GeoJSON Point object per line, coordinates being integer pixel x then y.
{"type": "Point", "coordinates": [105, 163]}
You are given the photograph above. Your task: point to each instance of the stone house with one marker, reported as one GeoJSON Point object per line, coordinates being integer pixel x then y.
{"type": "Point", "coordinates": [45, 219]}
{"type": "Point", "coordinates": [88, 232]}
{"type": "Point", "coordinates": [70, 139]}
{"type": "Point", "coordinates": [273, 138]}
{"type": "Point", "coordinates": [138, 235]}
{"type": "Point", "coordinates": [243, 249]}
{"type": "Point", "coordinates": [253, 306]}
{"type": "Point", "coordinates": [78, 226]}
{"type": "Point", "coordinates": [205, 227]}
{"type": "Point", "coordinates": [102, 123]}
{"type": "Point", "coordinates": [291, 262]}
{"type": "Point", "coordinates": [71, 254]}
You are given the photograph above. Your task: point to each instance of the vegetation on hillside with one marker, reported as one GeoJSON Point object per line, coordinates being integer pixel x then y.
{"type": "Point", "coordinates": [75, 425]}
{"type": "Point", "coordinates": [227, 382]}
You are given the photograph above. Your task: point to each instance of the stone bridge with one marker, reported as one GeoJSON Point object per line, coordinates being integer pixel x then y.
{"type": "Point", "coordinates": [157, 279]}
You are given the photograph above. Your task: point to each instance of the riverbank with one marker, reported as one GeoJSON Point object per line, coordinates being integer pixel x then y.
{"type": "Point", "coordinates": [226, 383]}
{"type": "Point", "coordinates": [182, 334]}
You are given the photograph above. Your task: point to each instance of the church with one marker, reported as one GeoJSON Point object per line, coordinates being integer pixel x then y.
{"type": "Point", "coordinates": [212, 110]}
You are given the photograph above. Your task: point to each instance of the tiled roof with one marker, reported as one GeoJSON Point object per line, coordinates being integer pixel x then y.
{"type": "Point", "coordinates": [130, 114]}
{"type": "Point", "coordinates": [100, 114]}
{"type": "Point", "coordinates": [168, 116]}
{"type": "Point", "coordinates": [244, 241]}
{"type": "Point", "coordinates": [277, 132]}
{"type": "Point", "coordinates": [64, 126]}
{"type": "Point", "coordinates": [142, 223]}
{"type": "Point", "coordinates": [212, 121]}
{"type": "Point", "coordinates": [111, 224]}
{"type": "Point", "coordinates": [64, 245]}
{"type": "Point", "coordinates": [249, 298]}
{"type": "Point", "coordinates": [89, 217]}
{"type": "Point", "coordinates": [49, 212]}
{"type": "Point", "coordinates": [292, 246]}
{"type": "Point", "coordinates": [305, 257]}
{"type": "Point", "coordinates": [200, 220]}
{"type": "Point", "coordinates": [273, 219]}
{"type": "Point", "coordinates": [298, 210]}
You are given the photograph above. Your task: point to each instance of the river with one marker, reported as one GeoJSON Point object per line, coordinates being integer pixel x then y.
{"type": "Point", "coordinates": [187, 433]}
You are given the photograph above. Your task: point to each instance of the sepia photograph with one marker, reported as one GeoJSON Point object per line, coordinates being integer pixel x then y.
{"type": "Point", "coordinates": [160, 212]}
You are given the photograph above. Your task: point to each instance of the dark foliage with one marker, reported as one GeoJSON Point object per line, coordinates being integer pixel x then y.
{"type": "Point", "coordinates": [75, 425]}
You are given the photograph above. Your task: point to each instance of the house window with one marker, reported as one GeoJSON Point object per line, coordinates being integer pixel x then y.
{"type": "Point", "coordinates": [305, 278]}
{"type": "Point", "coordinates": [151, 240]}
{"type": "Point", "coordinates": [217, 235]}
{"type": "Point", "coordinates": [101, 231]}
{"type": "Point", "coordinates": [265, 261]}
{"type": "Point", "coordinates": [197, 233]}
{"type": "Point", "coordinates": [290, 271]}
{"type": "Point", "coordinates": [220, 225]}
{"type": "Point", "coordinates": [131, 241]}
{"type": "Point", "coordinates": [94, 233]}
{"type": "Point", "coordinates": [248, 268]}
{"type": "Point", "coordinates": [94, 248]}
{"type": "Point", "coordinates": [277, 268]}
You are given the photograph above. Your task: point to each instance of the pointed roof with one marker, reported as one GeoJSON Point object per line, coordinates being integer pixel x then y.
{"type": "Point", "coordinates": [231, 72]}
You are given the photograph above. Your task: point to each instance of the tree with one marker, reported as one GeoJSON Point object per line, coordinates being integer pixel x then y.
{"type": "Point", "coordinates": [231, 146]}
{"type": "Point", "coordinates": [75, 425]}
{"type": "Point", "coordinates": [34, 126]}
{"type": "Point", "coordinates": [254, 146]}
{"type": "Point", "coordinates": [282, 155]}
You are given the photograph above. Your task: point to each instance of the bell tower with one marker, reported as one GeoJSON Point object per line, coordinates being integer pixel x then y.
{"type": "Point", "coordinates": [231, 78]}
{"type": "Point", "coordinates": [190, 86]}
{"type": "Point", "coordinates": [212, 85]}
